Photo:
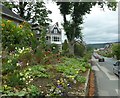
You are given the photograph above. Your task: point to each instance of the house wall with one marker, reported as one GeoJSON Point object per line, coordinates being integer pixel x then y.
{"type": "Point", "coordinates": [50, 39]}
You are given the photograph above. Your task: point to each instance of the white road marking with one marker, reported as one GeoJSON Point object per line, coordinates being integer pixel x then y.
{"type": "Point", "coordinates": [95, 68]}
{"type": "Point", "coordinates": [106, 71]}
{"type": "Point", "coordinates": [118, 91]}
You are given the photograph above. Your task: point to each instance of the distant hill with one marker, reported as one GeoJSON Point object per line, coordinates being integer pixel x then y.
{"type": "Point", "coordinates": [99, 45]}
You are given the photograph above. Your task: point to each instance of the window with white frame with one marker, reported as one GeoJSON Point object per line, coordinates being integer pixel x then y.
{"type": "Point", "coordinates": [56, 39]}
{"type": "Point", "coordinates": [55, 31]}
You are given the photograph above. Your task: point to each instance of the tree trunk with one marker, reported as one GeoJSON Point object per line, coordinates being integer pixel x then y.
{"type": "Point", "coordinates": [71, 47]}
{"type": "Point", "coordinates": [64, 17]}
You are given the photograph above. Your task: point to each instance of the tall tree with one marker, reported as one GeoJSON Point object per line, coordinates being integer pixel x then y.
{"type": "Point", "coordinates": [34, 12]}
{"type": "Point", "coordinates": [77, 10]}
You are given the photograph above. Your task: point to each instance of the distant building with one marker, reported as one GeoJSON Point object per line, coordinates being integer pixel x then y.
{"type": "Point", "coordinates": [7, 14]}
{"type": "Point", "coordinates": [54, 35]}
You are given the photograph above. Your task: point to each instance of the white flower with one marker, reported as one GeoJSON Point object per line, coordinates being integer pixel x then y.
{"type": "Point", "coordinates": [29, 76]}
{"type": "Point", "coordinates": [9, 61]}
{"type": "Point", "coordinates": [23, 48]}
{"type": "Point", "coordinates": [32, 80]}
{"type": "Point", "coordinates": [29, 69]}
{"type": "Point", "coordinates": [16, 48]}
{"type": "Point", "coordinates": [74, 81]}
{"type": "Point", "coordinates": [18, 64]}
{"type": "Point", "coordinates": [23, 78]}
{"type": "Point", "coordinates": [21, 74]}
{"type": "Point", "coordinates": [53, 47]}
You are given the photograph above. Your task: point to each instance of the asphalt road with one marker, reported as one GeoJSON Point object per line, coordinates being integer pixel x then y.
{"type": "Point", "coordinates": [108, 84]}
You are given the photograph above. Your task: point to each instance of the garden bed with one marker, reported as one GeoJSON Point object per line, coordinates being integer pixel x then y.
{"type": "Point", "coordinates": [69, 87]}
{"type": "Point", "coordinates": [64, 77]}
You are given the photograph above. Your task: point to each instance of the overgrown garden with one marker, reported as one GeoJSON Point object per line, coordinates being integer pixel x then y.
{"type": "Point", "coordinates": [32, 68]}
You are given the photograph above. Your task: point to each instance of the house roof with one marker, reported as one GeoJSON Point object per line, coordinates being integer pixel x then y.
{"type": "Point", "coordinates": [7, 12]}
{"type": "Point", "coordinates": [54, 26]}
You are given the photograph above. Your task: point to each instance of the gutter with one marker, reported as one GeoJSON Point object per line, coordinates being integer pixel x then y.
{"type": "Point", "coordinates": [12, 16]}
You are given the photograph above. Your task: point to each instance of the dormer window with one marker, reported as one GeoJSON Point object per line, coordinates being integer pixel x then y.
{"type": "Point", "coordinates": [55, 30]}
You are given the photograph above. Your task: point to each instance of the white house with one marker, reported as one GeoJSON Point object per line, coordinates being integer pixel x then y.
{"type": "Point", "coordinates": [54, 35]}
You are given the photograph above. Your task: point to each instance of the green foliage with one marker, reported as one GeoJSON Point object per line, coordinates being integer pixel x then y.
{"type": "Point", "coordinates": [87, 56]}
{"type": "Point", "coordinates": [10, 64]}
{"type": "Point", "coordinates": [42, 39]}
{"type": "Point", "coordinates": [79, 49]}
{"type": "Point", "coordinates": [33, 90]}
{"type": "Point", "coordinates": [83, 69]}
{"type": "Point", "coordinates": [16, 36]}
{"type": "Point", "coordinates": [35, 71]}
{"type": "Point", "coordinates": [71, 66]}
{"type": "Point", "coordinates": [81, 79]}
{"type": "Point", "coordinates": [54, 48]}
{"type": "Point", "coordinates": [25, 10]}
{"type": "Point", "coordinates": [65, 48]}
{"type": "Point", "coordinates": [116, 50]}
{"type": "Point", "coordinates": [77, 10]}
{"type": "Point", "coordinates": [41, 14]}
{"type": "Point", "coordinates": [105, 53]}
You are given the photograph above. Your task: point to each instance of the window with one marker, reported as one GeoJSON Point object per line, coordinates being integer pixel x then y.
{"type": "Point", "coordinates": [55, 30]}
{"type": "Point", "coordinates": [56, 39]}
{"type": "Point", "coordinates": [47, 37]}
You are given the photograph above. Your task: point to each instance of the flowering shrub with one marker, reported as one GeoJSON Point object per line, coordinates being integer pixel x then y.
{"type": "Point", "coordinates": [44, 56]}
{"type": "Point", "coordinates": [16, 36]}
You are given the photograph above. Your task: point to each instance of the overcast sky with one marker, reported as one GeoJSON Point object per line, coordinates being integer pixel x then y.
{"type": "Point", "coordinates": [99, 26]}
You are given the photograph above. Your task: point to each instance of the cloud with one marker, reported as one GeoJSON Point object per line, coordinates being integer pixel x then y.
{"type": "Point", "coordinates": [100, 26]}
{"type": "Point", "coordinates": [55, 16]}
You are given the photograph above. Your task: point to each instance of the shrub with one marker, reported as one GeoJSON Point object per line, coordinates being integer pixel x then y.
{"type": "Point", "coordinates": [116, 50]}
{"type": "Point", "coordinates": [54, 48]}
{"type": "Point", "coordinates": [79, 49]}
{"type": "Point", "coordinates": [16, 36]}
{"type": "Point", "coordinates": [65, 48]}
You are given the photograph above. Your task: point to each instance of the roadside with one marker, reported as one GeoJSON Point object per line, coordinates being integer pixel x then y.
{"type": "Point", "coordinates": [92, 82]}
{"type": "Point", "coordinates": [106, 81]}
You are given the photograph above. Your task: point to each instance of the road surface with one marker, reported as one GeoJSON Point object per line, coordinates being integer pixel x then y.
{"type": "Point", "coordinates": [108, 84]}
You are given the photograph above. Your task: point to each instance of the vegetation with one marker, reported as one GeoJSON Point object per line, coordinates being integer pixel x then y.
{"type": "Point", "coordinates": [65, 48]}
{"type": "Point", "coordinates": [16, 36]}
{"type": "Point", "coordinates": [31, 11]}
{"type": "Point", "coordinates": [112, 51]}
{"type": "Point", "coordinates": [116, 50]}
{"type": "Point", "coordinates": [31, 68]}
{"type": "Point", "coordinates": [106, 53]}
{"type": "Point", "coordinates": [79, 49]}
{"type": "Point", "coordinates": [77, 10]}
